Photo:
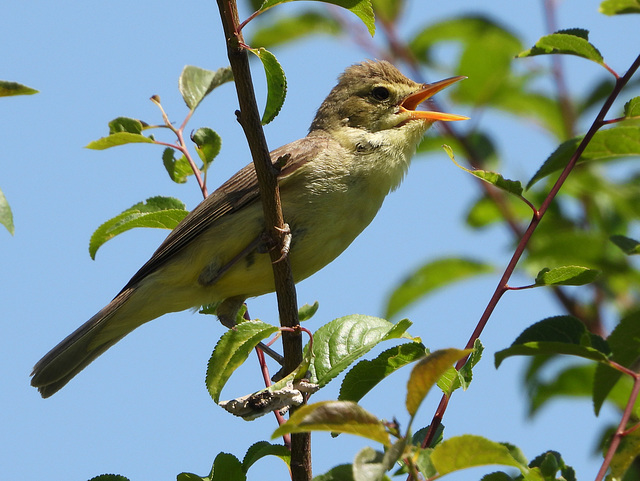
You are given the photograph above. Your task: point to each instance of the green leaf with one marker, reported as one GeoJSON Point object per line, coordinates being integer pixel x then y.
{"type": "Point", "coordinates": [624, 342]}
{"type": "Point", "coordinates": [157, 212]}
{"type": "Point", "coordinates": [286, 29]}
{"type": "Point", "coordinates": [125, 124]}
{"type": "Point", "coordinates": [467, 451]}
{"type": "Point", "coordinates": [340, 342]}
{"type": "Point", "coordinates": [109, 477]}
{"type": "Point", "coordinates": [307, 311]}
{"type": "Point", "coordinates": [8, 89]}
{"type": "Point", "coordinates": [627, 452]}
{"type": "Point", "coordinates": [120, 138]}
{"type": "Point", "coordinates": [429, 277]}
{"type": "Point", "coordinates": [632, 108]}
{"type": "Point", "coordinates": [606, 145]}
{"type": "Point", "coordinates": [481, 37]}
{"type": "Point", "coordinates": [338, 417]}
{"type": "Point", "coordinates": [569, 42]}
{"type": "Point", "coordinates": [196, 83]}
{"type": "Point", "coordinates": [453, 379]}
{"type": "Point", "coordinates": [276, 83]}
{"type": "Point", "coordinates": [6, 216]}
{"type": "Point", "coordinates": [365, 375]}
{"type": "Point", "coordinates": [191, 477]}
{"type": "Point", "coordinates": [566, 276]}
{"type": "Point", "coordinates": [617, 7]}
{"type": "Point", "coordinates": [368, 465]}
{"type": "Point", "coordinates": [511, 186]}
{"type": "Point", "coordinates": [485, 211]}
{"type": "Point", "coordinates": [361, 8]}
{"type": "Point", "coordinates": [388, 10]}
{"type": "Point", "coordinates": [342, 472]}
{"type": "Point", "coordinates": [226, 467]}
{"type": "Point", "coordinates": [261, 449]}
{"type": "Point", "coordinates": [629, 246]}
{"type": "Point", "coordinates": [208, 144]}
{"type": "Point", "coordinates": [232, 349]}
{"type": "Point", "coordinates": [427, 372]}
{"type": "Point", "coordinates": [178, 169]}
{"type": "Point", "coordinates": [557, 335]}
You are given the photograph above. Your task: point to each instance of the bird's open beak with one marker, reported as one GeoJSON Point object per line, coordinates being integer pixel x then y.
{"type": "Point", "coordinates": [410, 104]}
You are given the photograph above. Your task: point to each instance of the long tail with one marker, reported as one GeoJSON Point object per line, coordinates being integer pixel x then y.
{"type": "Point", "coordinates": [81, 347]}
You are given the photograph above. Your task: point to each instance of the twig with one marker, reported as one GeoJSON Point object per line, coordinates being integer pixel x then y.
{"type": "Point", "coordinates": [285, 289]}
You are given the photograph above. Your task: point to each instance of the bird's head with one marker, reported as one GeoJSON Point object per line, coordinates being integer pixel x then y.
{"type": "Point", "coordinates": [375, 96]}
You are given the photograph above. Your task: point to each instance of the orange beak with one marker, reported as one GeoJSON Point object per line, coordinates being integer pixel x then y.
{"type": "Point", "coordinates": [429, 90]}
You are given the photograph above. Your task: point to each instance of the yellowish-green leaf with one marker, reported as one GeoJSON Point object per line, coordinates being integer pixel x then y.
{"type": "Point", "coordinates": [566, 276]}
{"type": "Point", "coordinates": [6, 216]}
{"type": "Point", "coordinates": [427, 372]}
{"type": "Point", "coordinates": [335, 416]}
{"type": "Point", "coordinates": [8, 89]}
{"type": "Point", "coordinates": [617, 7]}
{"type": "Point", "coordinates": [467, 451]}
{"type": "Point", "coordinates": [120, 138]}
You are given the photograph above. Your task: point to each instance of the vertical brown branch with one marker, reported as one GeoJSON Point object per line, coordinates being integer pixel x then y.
{"type": "Point", "coordinates": [249, 118]}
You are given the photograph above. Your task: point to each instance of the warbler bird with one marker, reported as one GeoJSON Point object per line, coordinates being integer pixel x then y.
{"type": "Point", "coordinates": [332, 184]}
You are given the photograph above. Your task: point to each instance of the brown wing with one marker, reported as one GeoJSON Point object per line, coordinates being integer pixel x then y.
{"type": "Point", "coordinates": [236, 193]}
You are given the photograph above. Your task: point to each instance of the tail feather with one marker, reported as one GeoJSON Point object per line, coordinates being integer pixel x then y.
{"type": "Point", "coordinates": [78, 349]}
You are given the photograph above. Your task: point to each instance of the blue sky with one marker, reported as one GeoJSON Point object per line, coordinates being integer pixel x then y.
{"type": "Point", "coordinates": [142, 409]}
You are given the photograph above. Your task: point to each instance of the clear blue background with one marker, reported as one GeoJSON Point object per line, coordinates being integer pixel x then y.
{"type": "Point", "coordinates": [142, 409]}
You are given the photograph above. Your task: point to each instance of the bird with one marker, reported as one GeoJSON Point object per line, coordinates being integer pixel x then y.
{"type": "Point", "coordinates": [332, 183]}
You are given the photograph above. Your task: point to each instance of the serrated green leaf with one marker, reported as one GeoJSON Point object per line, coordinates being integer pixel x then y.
{"type": "Point", "coordinates": [261, 449]}
{"type": "Point", "coordinates": [338, 417]}
{"type": "Point", "coordinates": [467, 451]}
{"type": "Point", "coordinates": [276, 83]}
{"type": "Point", "coordinates": [365, 375]}
{"type": "Point", "coordinates": [605, 145]}
{"type": "Point", "coordinates": [568, 42]}
{"type": "Point", "coordinates": [429, 277]}
{"type": "Point", "coordinates": [624, 342]}
{"type": "Point", "coordinates": [427, 372]}
{"type": "Point", "coordinates": [232, 349]}
{"type": "Point", "coordinates": [566, 276]}
{"type": "Point", "coordinates": [629, 246]}
{"type": "Point", "coordinates": [178, 169]}
{"type": "Point", "coordinates": [196, 83]}
{"type": "Point", "coordinates": [285, 29]}
{"type": "Point", "coordinates": [307, 311]}
{"type": "Point", "coordinates": [157, 212]}
{"type": "Point", "coordinates": [6, 216]}
{"type": "Point", "coordinates": [208, 144]}
{"type": "Point", "coordinates": [8, 89]}
{"type": "Point", "coordinates": [617, 7]}
{"type": "Point", "coordinates": [557, 335]}
{"type": "Point", "coordinates": [361, 8]}
{"type": "Point", "coordinates": [226, 467]}
{"type": "Point", "coordinates": [340, 342]}
{"type": "Point", "coordinates": [632, 108]}
{"type": "Point", "coordinates": [119, 138]}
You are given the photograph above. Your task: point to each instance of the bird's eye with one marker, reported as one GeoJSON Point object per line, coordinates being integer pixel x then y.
{"type": "Point", "coordinates": [380, 93]}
